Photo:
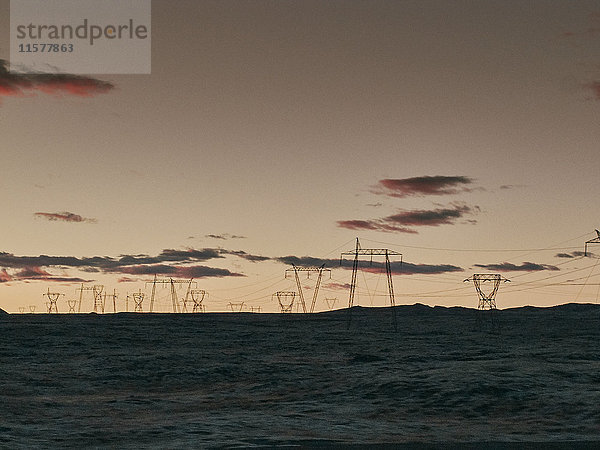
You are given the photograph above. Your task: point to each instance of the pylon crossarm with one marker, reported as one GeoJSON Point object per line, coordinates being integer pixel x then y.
{"type": "Point", "coordinates": [596, 240]}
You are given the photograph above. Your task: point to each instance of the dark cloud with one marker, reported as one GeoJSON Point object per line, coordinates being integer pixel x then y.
{"type": "Point", "coordinates": [421, 186]}
{"type": "Point", "coordinates": [574, 254]}
{"type": "Point", "coordinates": [139, 264]}
{"type": "Point", "coordinates": [406, 268]}
{"type": "Point", "coordinates": [224, 236]}
{"type": "Point", "coordinates": [307, 261]}
{"type": "Point", "coordinates": [64, 217]}
{"type": "Point", "coordinates": [19, 84]}
{"type": "Point", "coordinates": [34, 273]}
{"type": "Point", "coordinates": [178, 271]}
{"type": "Point", "coordinates": [402, 221]}
{"type": "Point", "coordinates": [524, 267]}
{"type": "Point", "coordinates": [248, 257]}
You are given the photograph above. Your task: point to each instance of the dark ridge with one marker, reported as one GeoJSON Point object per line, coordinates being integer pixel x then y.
{"type": "Point", "coordinates": [575, 307]}
{"type": "Point", "coordinates": [2, 312]}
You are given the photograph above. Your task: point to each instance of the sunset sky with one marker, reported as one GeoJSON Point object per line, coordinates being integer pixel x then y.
{"type": "Point", "coordinates": [462, 134]}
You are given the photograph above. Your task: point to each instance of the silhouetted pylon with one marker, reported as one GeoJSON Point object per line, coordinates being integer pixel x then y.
{"type": "Point", "coordinates": [358, 251]}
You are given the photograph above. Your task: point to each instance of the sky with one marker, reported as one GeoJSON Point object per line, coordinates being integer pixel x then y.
{"type": "Point", "coordinates": [461, 134]}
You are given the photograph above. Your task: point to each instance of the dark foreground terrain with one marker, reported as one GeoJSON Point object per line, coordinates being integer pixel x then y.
{"type": "Point", "coordinates": [443, 380]}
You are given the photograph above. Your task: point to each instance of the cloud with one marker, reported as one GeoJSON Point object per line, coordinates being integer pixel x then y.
{"type": "Point", "coordinates": [224, 236]}
{"type": "Point", "coordinates": [175, 263]}
{"type": "Point", "coordinates": [404, 268]}
{"type": "Point", "coordinates": [422, 186]}
{"type": "Point", "coordinates": [64, 217]}
{"type": "Point", "coordinates": [4, 276]}
{"type": "Point", "coordinates": [307, 261]}
{"type": "Point", "coordinates": [178, 271]}
{"type": "Point", "coordinates": [19, 84]}
{"type": "Point", "coordinates": [334, 285]}
{"type": "Point", "coordinates": [402, 221]}
{"type": "Point", "coordinates": [594, 86]}
{"type": "Point", "coordinates": [34, 273]}
{"type": "Point", "coordinates": [248, 257]}
{"type": "Point", "coordinates": [571, 255]}
{"type": "Point", "coordinates": [524, 267]}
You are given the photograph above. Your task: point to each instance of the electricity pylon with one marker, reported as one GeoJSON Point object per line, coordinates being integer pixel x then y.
{"type": "Point", "coordinates": [330, 302]}
{"type": "Point", "coordinates": [487, 300]}
{"type": "Point", "coordinates": [236, 306]}
{"type": "Point", "coordinates": [72, 304]}
{"type": "Point", "coordinates": [97, 290]}
{"type": "Point", "coordinates": [138, 300]}
{"type": "Point", "coordinates": [255, 309]}
{"type": "Point", "coordinates": [286, 300]}
{"type": "Point", "coordinates": [52, 299]}
{"type": "Point", "coordinates": [171, 282]}
{"type": "Point", "coordinates": [197, 296]}
{"type": "Point", "coordinates": [31, 309]}
{"type": "Point", "coordinates": [358, 251]}
{"type": "Point", "coordinates": [596, 240]}
{"type": "Point", "coordinates": [308, 270]}
{"type": "Point", "coordinates": [114, 299]}
{"type": "Point", "coordinates": [21, 309]}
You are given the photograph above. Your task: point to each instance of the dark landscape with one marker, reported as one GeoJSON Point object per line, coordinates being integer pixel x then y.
{"type": "Point", "coordinates": [255, 380]}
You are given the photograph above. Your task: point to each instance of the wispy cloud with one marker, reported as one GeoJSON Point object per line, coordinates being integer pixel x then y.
{"type": "Point", "coordinates": [20, 84]}
{"type": "Point", "coordinates": [510, 267]}
{"type": "Point", "coordinates": [404, 221]}
{"type": "Point", "coordinates": [224, 236]}
{"type": "Point", "coordinates": [64, 217]}
{"type": "Point", "coordinates": [594, 86]}
{"type": "Point", "coordinates": [422, 186]}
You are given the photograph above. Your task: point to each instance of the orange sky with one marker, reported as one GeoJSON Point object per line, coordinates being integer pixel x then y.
{"type": "Point", "coordinates": [462, 134]}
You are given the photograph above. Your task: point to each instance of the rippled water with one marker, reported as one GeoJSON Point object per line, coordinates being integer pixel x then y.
{"type": "Point", "coordinates": [213, 380]}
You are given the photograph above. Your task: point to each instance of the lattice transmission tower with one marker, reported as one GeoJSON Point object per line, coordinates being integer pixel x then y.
{"type": "Point", "coordinates": [72, 304]}
{"type": "Point", "coordinates": [596, 240]}
{"type": "Point", "coordinates": [97, 291]}
{"type": "Point", "coordinates": [371, 252]}
{"type": "Point", "coordinates": [138, 301]}
{"type": "Point", "coordinates": [236, 306]}
{"type": "Point", "coordinates": [487, 298]}
{"type": "Point", "coordinates": [285, 300]}
{"type": "Point", "coordinates": [114, 297]}
{"type": "Point", "coordinates": [196, 296]}
{"type": "Point", "coordinates": [331, 302]}
{"type": "Point", "coordinates": [308, 271]}
{"type": "Point", "coordinates": [52, 299]}
{"type": "Point", "coordinates": [172, 283]}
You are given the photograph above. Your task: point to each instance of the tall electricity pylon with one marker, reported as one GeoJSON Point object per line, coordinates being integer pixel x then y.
{"type": "Point", "coordinates": [114, 299]}
{"type": "Point", "coordinates": [97, 290]}
{"type": "Point", "coordinates": [286, 300]}
{"type": "Point", "coordinates": [171, 282]}
{"type": "Point", "coordinates": [358, 251]}
{"type": "Point", "coordinates": [52, 299]}
{"type": "Point", "coordinates": [308, 271]}
{"type": "Point", "coordinates": [596, 240]}
{"type": "Point", "coordinates": [487, 300]}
